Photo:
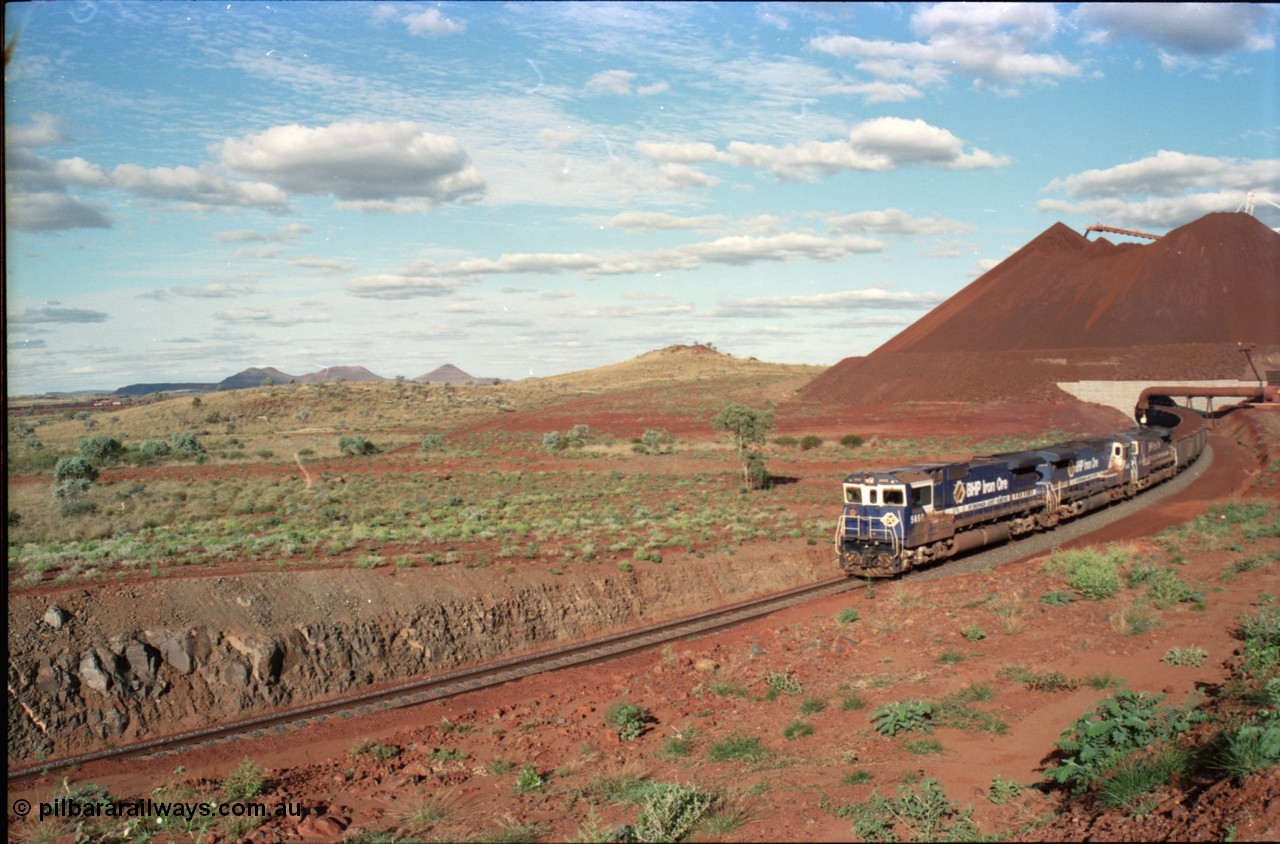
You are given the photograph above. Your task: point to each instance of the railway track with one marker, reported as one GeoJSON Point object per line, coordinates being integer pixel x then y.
{"type": "Point", "coordinates": [453, 683]}
{"type": "Point", "coordinates": [416, 692]}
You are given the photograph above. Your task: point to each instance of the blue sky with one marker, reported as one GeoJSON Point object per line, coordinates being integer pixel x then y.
{"type": "Point", "coordinates": [534, 188]}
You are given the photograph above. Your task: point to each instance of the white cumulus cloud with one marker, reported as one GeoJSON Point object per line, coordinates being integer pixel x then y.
{"type": "Point", "coordinates": [991, 43]}
{"type": "Point", "coordinates": [1197, 28]}
{"type": "Point", "coordinates": [355, 161]}
{"type": "Point", "coordinates": [879, 145]}
{"type": "Point", "coordinates": [896, 221]}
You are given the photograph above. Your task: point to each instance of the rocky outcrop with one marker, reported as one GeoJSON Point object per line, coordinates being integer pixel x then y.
{"type": "Point", "coordinates": [249, 644]}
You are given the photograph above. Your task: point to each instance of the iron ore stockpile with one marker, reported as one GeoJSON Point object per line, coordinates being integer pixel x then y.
{"type": "Point", "coordinates": [1065, 308]}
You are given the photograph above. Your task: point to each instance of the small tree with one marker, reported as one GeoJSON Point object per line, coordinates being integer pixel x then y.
{"type": "Point", "coordinates": [74, 469]}
{"type": "Point", "coordinates": [187, 444]}
{"type": "Point", "coordinates": [150, 450]}
{"type": "Point", "coordinates": [356, 445]}
{"type": "Point", "coordinates": [655, 441]}
{"type": "Point", "coordinates": [575, 437]}
{"type": "Point", "coordinates": [72, 477]}
{"type": "Point", "coordinates": [101, 449]}
{"type": "Point", "coordinates": [748, 429]}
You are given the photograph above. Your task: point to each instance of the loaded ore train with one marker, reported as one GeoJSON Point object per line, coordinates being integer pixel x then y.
{"type": "Point", "coordinates": [901, 518]}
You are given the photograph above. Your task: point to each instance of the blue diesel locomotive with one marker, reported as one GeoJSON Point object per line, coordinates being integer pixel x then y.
{"type": "Point", "coordinates": [897, 519]}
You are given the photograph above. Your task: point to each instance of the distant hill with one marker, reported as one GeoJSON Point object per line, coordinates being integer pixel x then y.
{"type": "Point", "coordinates": [450, 374]}
{"type": "Point", "coordinates": [1063, 308]}
{"type": "Point", "coordinates": [340, 373]}
{"type": "Point", "coordinates": [166, 387]}
{"type": "Point", "coordinates": [254, 376]}
{"type": "Point", "coordinates": [447, 374]}
{"type": "Point", "coordinates": [663, 366]}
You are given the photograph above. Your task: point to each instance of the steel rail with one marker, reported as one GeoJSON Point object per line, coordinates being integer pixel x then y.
{"type": "Point", "coordinates": [449, 684]}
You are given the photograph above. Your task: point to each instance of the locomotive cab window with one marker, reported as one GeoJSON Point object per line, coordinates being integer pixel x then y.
{"type": "Point", "coordinates": [922, 495]}
{"type": "Point", "coordinates": [895, 496]}
{"type": "Point", "coordinates": [853, 495]}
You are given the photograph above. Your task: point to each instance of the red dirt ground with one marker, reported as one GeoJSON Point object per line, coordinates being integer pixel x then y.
{"type": "Point", "coordinates": [555, 722]}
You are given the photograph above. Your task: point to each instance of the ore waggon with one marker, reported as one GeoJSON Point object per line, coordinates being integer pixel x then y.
{"type": "Point", "coordinates": [909, 516]}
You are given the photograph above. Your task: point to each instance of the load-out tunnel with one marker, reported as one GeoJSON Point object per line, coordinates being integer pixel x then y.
{"type": "Point", "coordinates": [1268, 393]}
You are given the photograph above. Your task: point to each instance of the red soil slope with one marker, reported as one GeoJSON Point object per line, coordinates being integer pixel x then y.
{"type": "Point", "coordinates": [1064, 308]}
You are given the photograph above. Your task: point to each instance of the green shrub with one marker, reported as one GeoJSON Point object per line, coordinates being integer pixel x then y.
{"type": "Point", "coordinates": [1192, 656]}
{"type": "Point", "coordinates": [1261, 636]}
{"type": "Point", "coordinates": [848, 615]}
{"type": "Point", "coordinates": [737, 748]}
{"type": "Point", "coordinates": [441, 753]}
{"type": "Point", "coordinates": [72, 478]}
{"type": "Point", "coordinates": [431, 442]}
{"type": "Point", "coordinates": [1054, 681]}
{"type": "Point", "coordinates": [680, 745]}
{"type": "Point", "coordinates": [381, 752]}
{"type": "Point", "coordinates": [809, 442]}
{"type": "Point", "coordinates": [1246, 749]}
{"type": "Point", "coordinates": [575, 437]}
{"type": "Point", "coordinates": [101, 450]}
{"type": "Point", "coordinates": [74, 469]}
{"type": "Point", "coordinates": [529, 780]}
{"type": "Point", "coordinates": [851, 441]}
{"type": "Point", "coordinates": [669, 812]}
{"type": "Point", "coordinates": [924, 813]}
{"type": "Point", "coordinates": [151, 450]}
{"type": "Point", "coordinates": [187, 444]}
{"type": "Point", "coordinates": [812, 706]}
{"type": "Point", "coordinates": [1002, 791]}
{"type": "Point", "coordinates": [797, 729]}
{"type": "Point", "coordinates": [1092, 573]}
{"type": "Point", "coordinates": [785, 441]}
{"type": "Point", "coordinates": [1141, 773]}
{"type": "Point", "coordinates": [852, 701]}
{"type": "Point", "coordinates": [628, 720]}
{"type": "Point", "coordinates": [955, 711]}
{"type": "Point", "coordinates": [1164, 587]}
{"type": "Point", "coordinates": [355, 445]}
{"type": "Point", "coordinates": [923, 747]}
{"type": "Point", "coordinates": [1120, 726]}
{"type": "Point", "coordinates": [780, 682]}
{"type": "Point", "coordinates": [908, 716]}
{"type": "Point", "coordinates": [656, 441]}
{"type": "Point", "coordinates": [247, 781]}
